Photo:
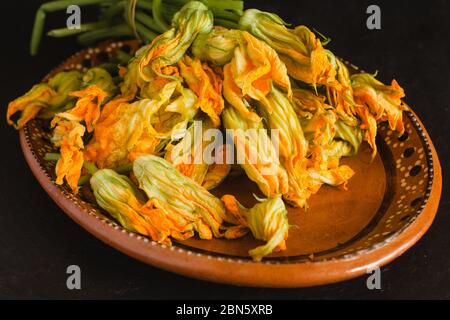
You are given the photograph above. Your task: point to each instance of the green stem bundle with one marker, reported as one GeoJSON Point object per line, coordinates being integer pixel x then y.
{"type": "Point", "coordinates": [150, 18]}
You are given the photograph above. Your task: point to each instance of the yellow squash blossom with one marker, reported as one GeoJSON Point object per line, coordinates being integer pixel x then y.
{"type": "Point", "coordinates": [369, 126]}
{"type": "Point", "coordinates": [291, 143]}
{"type": "Point", "coordinates": [218, 170]}
{"type": "Point", "coordinates": [97, 88]}
{"type": "Point", "coordinates": [117, 195]}
{"type": "Point", "coordinates": [319, 129]}
{"type": "Point", "coordinates": [187, 204]}
{"type": "Point", "coordinates": [251, 73]}
{"type": "Point", "coordinates": [298, 48]}
{"type": "Point", "coordinates": [172, 111]}
{"type": "Point", "coordinates": [267, 221]}
{"type": "Point", "coordinates": [206, 84]}
{"type": "Point", "coordinates": [333, 177]}
{"type": "Point", "coordinates": [86, 109]}
{"type": "Point", "coordinates": [29, 104]}
{"type": "Point", "coordinates": [188, 156]}
{"type": "Point", "coordinates": [342, 95]}
{"type": "Point", "coordinates": [102, 79]}
{"type": "Point", "coordinates": [351, 135]}
{"type": "Point", "coordinates": [47, 98]}
{"type": "Point", "coordinates": [68, 137]}
{"type": "Point", "coordinates": [329, 139]}
{"type": "Point", "coordinates": [259, 157]}
{"type": "Point", "coordinates": [376, 102]}
{"type": "Point", "coordinates": [322, 122]}
{"type": "Point", "coordinates": [383, 101]}
{"type": "Point", "coordinates": [306, 102]}
{"type": "Point", "coordinates": [168, 48]}
{"type": "Point", "coordinates": [154, 65]}
{"type": "Point", "coordinates": [217, 46]}
{"type": "Point", "coordinates": [127, 130]}
{"type": "Point", "coordinates": [69, 131]}
{"type": "Point", "coordinates": [252, 67]}
{"type": "Point", "coordinates": [131, 83]}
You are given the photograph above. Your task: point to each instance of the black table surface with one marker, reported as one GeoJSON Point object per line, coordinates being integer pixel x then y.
{"type": "Point", "coordinates": [38, 241]}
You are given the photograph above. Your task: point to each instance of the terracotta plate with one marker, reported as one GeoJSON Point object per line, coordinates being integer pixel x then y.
{"type": "Point", "coordinates": [388, 206]}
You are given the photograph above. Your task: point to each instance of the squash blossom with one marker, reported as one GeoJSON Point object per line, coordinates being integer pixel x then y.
{"type": "Point", "coordinates": [260, 159]}
{"type": "Point", "coordinates": [126, 130]}
{"type": "Point", "coordinates": [329, 138]}
{"type": "Point", "coordinates": [267, 221]}
{"type": "Point", "coordinates": [334, 176]}
{"type": "Point", "coordinates": [251, 73]}
{"type": "Point", "coordinates": [292, 145]}
{"type": "Point", "coordinates": [68, 133]}
{"type": "Point", "coordinates": [383, 101]}
{"type": "Point", "coordinates": [206, 84]}
{"type": "Point", "coordinates": [87, 107]}
{"type": "Point", "coordinates": [154, 65]}
{"type": "Point", "coordinates": [134, 85]}
{"type": "Point", "coordinates": [187, 204]}
{"type": "Point", "coordinates": [377, 102]}
{"type": "Point", "coordinates": [350, 135]}
{"type": "Point", "coordinates": [217, 46]}
{"type": "Point", "coordinates": [68, 137]}
{"type": "Point", "coordinates": [306, 102]}
{"type": "Point", "coordinates": [216, 174]}
{"type": "Point", "coordinates": [98, 88]}
{"type": "Point", "coordinates": [251, 67]}
{"type": "Point", "coordinates": [322, 123]}
{"type": "Point", "coordinates": [102, 79]}
{"type": "Point", "coordinates": [45, 99]}
{"type": "Point", "coordinates": [117, 195]}
{"type": "Point", "coordinates": [194, 18]}
{"type": "Point", "coordinates": [305, 58]}
{"type": "Point", "coordinates": [341, 95]}
{"type": "Point", "coordinates": [188, 156]}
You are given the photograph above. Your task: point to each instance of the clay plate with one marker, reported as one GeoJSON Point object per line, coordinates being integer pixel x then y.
{"type": "Point", "coordinates": [388, 206]}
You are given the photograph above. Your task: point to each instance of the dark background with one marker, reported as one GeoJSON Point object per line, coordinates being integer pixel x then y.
{"type": "Point", "coordinates": [38, 241]}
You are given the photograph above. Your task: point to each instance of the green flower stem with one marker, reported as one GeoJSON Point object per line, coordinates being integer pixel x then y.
{"type": "Point", "coordinates": [157, 15]}
{"type": "Point", "coordinates": [83, 180]}
{"type": "Point", "coordinates": [147, 5]}
{"type": "Point", "coordinates": [52, 156]}
{"type": "Point", "coordinates": [224, 14]}
{"type": "Point", "coordinates": [39, 20]}
{"type": "Point", "coordinates": [65, 32]}
{"type": "Point", "coordinates": [226, 23]}
{"type": "Point", "coordinates": [146, 34]}
{"type": "Point", "coordinates": [124, 168]}
{"type": "Point", "coordinates": [63, 4]}
{"type": "Point", "coordinates": [90, 167]}
{"type": "Point", "coordinates": [113, 10]}
{"type": "Point", "coordinates": [148, 21]}
{"type": "Point", "coordinates": [38, 29]}
{"type": "Point", "coordinates": [235, 5]}
{"type": "Point", "coordinates": [92, 36]}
